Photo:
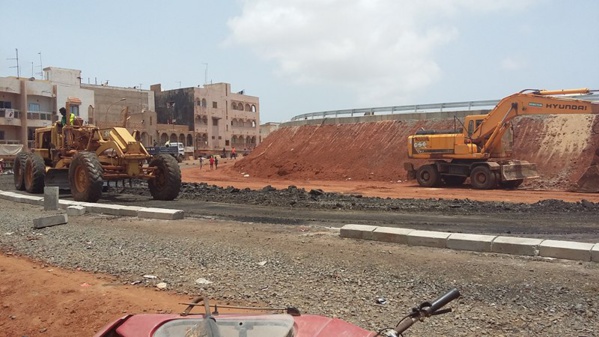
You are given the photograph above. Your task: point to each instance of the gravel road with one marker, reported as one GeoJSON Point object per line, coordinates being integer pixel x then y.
{"type": "Point", "coordinates": [312, 268]}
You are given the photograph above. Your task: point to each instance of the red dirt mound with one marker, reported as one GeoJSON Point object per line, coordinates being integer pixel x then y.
{"type": "Point", "coordinates": [563, 147]}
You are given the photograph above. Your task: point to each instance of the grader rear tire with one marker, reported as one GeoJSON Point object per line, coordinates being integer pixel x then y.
{"type": "Point", "coordinates": [85, 177]}
{"type": "Point", "coordinates": [167, 181]}
{"type": "Point", "coordinates": [19, 170]}
{"type": "Point", "coordinates": [35, 173]}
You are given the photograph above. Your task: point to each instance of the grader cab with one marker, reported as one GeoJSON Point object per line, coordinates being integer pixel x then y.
{"type": "Point", "coordinates": [83, 157]}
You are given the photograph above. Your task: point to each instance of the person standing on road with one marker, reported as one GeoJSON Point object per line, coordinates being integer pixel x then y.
{"type": "Point", "coordinates": [233, 153]}
{"type": "Point", "coordinates": [215, 162]}
{"type": "Point", "coordinates": [211, 160]}
{"type": "Point", "coordinates": [201, 162]}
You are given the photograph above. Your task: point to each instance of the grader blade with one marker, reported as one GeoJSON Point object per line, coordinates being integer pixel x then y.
{"type": "Point", "coordinates": [58, 178]}
{"type": "Point", "coordinates": [515, 170]}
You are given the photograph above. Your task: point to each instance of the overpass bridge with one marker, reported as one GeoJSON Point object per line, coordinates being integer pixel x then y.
{"type": "Point", "coordinates": [402, 112]}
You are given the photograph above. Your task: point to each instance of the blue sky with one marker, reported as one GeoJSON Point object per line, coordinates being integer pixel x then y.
{"type": "Point", "coordinates": [303, 56]}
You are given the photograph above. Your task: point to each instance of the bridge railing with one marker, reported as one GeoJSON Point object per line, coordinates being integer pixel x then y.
{"type": "Point", "coordinates": [435, 107]}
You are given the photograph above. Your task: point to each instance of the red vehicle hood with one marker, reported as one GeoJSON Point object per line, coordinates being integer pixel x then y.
{"type": "Point", "coordinates": [144, 325]}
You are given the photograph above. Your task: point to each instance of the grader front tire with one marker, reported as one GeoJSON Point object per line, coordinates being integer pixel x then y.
{"type": "Point", "coordinates": [166, 183]}
{"type": "Point", "coordinates": [85, 177]}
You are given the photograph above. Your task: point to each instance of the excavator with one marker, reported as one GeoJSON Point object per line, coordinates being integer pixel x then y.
{"type": "Point", "coordinates": [476, 150]}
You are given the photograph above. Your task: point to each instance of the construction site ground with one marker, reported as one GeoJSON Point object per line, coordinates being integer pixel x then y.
{"type": "Point", "coordinates": [85, 274]}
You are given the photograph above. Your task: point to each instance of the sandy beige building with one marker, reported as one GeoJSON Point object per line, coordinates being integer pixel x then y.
{"type": "Point", "coordinates": [215, 118]}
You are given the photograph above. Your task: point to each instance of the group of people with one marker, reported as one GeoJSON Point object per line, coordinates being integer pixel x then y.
{"type": "Point", "coordinates": [233, 153]}
{"type": "Point", "coordinates": [212, 160]}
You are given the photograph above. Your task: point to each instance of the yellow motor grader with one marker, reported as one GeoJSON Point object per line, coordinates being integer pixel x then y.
{"type": "Point", "coordinates": [83, 157]}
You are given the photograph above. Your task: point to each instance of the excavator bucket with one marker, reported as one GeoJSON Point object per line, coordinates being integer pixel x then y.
{"type": "Point", "coordinates": [518, 169]}
{"type": "Point", "coordinates": [589, 182]}
{"type": "Point", "coordinates": [58, 178]}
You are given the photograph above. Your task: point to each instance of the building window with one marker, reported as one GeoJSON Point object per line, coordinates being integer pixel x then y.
{"type": "Point", "coordinates": [203, 102]}
{"type": "Point", "coordinates": [5, 105]}
{"type": "Point", "coordinates": [1, 135]}
{"type": "Point", "coordinates": [215, 105]}
{"type": "Point", "coordinates": [150, 120]}
{"type": "Point", "coordinates": [34, 107]}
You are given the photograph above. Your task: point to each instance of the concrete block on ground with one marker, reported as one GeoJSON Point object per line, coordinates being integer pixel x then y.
{"type": "Point", "coordinates": [595, 253]}
{"type": "Point", "coordinates": [160, 213]}
{"type": "Point", "coordinates": [31, 200]}
{"type": "Point", "coordinates": [109, 209]}
{"type": "Point", "coordinates": [428, 238]}
{"type": "Point", "coordinates": [75, 210]}
{"type": "Point", "coordinates": [50, 198]}
{"type": "Point", "coordinates": [54, 220]}
{"type": "Point", "coordinates": [472, 242]}
{"type": "Point", "coordinates": [130, 210]}
{"type": "Point", "coordinates": [353, 231]}
{"type": "Point", "coordinates": [11, 196]}
{"type": "Point", "coordinates": [516, 246]}
{"type": "Point", "coordinates": [391, 234]}
{"type": "Point", "coordinates": [64, 204]}
{"type": "Point", "coordinates": [579, 251]}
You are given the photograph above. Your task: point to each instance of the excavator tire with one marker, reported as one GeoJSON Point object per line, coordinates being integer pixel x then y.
{"type": "Point", "coordinates": [167, 181]}
{"type": "Point", "coordinates": [35, 173]}
{"type": "Point", "coordinates": [511, 184]}
{"type": "Point", "coordinates": [482, 178]}
{"type": "Point", "coordinates": [453, 180]}
{"type": "Point", "coordinates": [428, 176]}
{"type": "Point", "coordinates": [19, 170]}
{"type": "Point", "coordinates": [85, 177]}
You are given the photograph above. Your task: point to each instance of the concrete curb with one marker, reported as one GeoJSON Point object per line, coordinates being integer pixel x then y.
{"type": "Point", "coordinates": [568, 250]}
{"type": "Point", "coordinates": [109, 209]}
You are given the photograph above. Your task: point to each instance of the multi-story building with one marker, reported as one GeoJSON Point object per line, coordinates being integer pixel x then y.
{"type": "Point", "coordinates": [29, 103]}
{"type": "Point", "coordinates": [132, 108]}
{"type": "Point", "coordinates": [216, 117]}
{"type": "Point", "coordinates": [206, 120]}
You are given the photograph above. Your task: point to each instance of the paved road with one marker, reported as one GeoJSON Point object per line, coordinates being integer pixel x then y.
{"type": "Point", "coordinates": [579, 227]}
{"type": "Point", "coordinates": [576, 226]}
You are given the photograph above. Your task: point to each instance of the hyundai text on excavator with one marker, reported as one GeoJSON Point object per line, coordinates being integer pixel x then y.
{"type": "Point", "coordinates": [476, 151]}
{"type": "Point", "coordinates": [82, 157]}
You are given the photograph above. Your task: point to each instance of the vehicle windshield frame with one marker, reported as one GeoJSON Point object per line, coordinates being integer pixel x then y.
{"type": "Point", "coordinates": [271, 325]}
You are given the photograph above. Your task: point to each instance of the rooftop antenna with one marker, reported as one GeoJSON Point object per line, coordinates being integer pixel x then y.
{"type": "Point", "coordinates": [41, 73]}
{"type": "Point", "coordinates": [205, 72]}
{"type": "Point", "coordinates": [17, 66]}
{"type": "Point", "coordinates": [179, 84]}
